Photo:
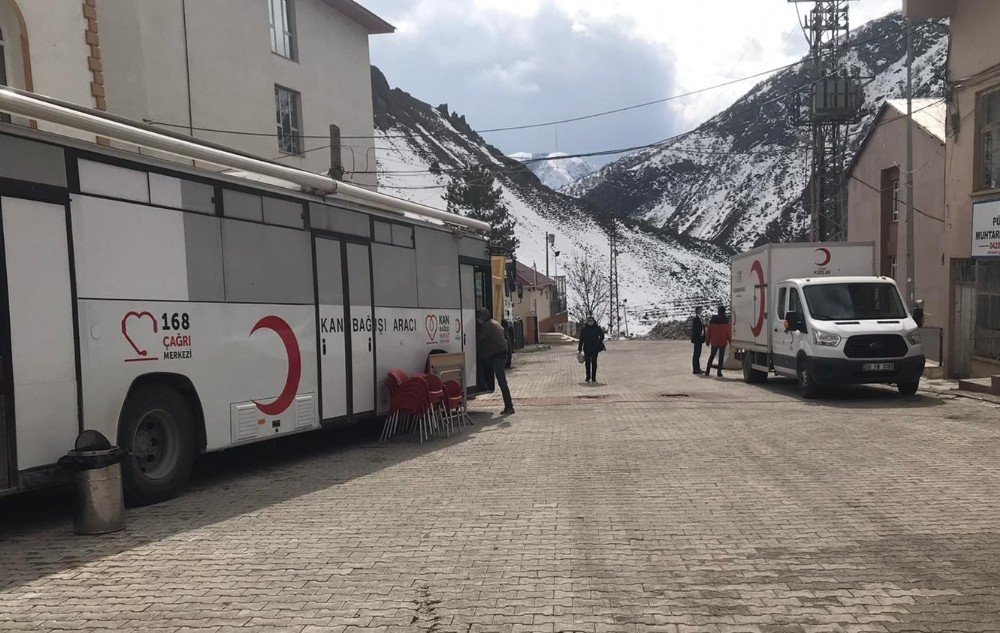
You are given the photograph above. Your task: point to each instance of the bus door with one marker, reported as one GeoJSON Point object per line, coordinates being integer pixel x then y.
{"type": "Point", "coordinates": [38, 391]}
{"type": "Point", "coordinates": [476, 286]}
{"type": "Point", "coordinates": [334, 329]}
{"type": "Point", "coordinates": [360, 319]}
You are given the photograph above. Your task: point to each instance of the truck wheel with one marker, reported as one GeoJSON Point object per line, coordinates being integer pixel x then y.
{"type": "Point", "coordinates": [808, 388]}
{"type": "Point", "coordinates": [752, 376]}
{"type": "Point", "coordinates": [157, 429]}
{"type": "Point", "coordinates": [908, 388]}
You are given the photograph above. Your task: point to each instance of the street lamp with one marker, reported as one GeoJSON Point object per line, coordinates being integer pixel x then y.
{"type": "Point", "coordinates": [550, 240]}
{"type": "Point", "coordinates": [625, 314]}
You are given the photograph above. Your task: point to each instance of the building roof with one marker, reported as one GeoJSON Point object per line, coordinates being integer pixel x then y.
{"type": "Point", "coordinates": [528, 276]}
{"type": "Point", "coordinates": [361, 15]}
{"type": "Point", "coordinates": [930, 114]}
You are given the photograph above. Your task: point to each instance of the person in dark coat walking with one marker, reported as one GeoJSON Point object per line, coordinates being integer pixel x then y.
{"type": "Point", "coordinates": [697, 339]}
{"type": "Point", "coordinates": [591, 344]}
{"type": "Point", "coordinates": [720, 335]}
{"type": "Point", "coordinates": [492, 345]}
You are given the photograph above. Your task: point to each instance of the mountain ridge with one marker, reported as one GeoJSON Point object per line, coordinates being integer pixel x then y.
{"type": "Point", "coordinates": [739, 183]}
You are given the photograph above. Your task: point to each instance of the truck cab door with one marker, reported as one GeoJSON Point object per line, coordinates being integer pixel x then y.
{"type": "Point", "coordinates": [794, 304]}
{"type": "Point", "coordinates": [781, 341]}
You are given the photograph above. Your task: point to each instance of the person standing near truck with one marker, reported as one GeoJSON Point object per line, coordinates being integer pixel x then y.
{"type": "Point", "coordinates": [719, 336]}
{"type": "Point", "coordinates": [697, 339]}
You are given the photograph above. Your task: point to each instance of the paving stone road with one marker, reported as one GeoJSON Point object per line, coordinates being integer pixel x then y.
{"type": "Point", "coordinates": [653, 501]}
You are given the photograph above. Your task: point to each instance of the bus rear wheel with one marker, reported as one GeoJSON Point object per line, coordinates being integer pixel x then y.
{"type": "Point", "coordinates": [157, 429]}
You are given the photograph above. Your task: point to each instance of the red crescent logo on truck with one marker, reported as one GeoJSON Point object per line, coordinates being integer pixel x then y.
{"type": "Point", "coordinates": [758, 325]}
{"type": "Point", "coordinates": [284, 331]}
{"type": "Point", "coordinates": [825, 255]}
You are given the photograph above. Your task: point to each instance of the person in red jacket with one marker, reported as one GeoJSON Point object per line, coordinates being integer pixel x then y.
{"type": "Point", "coordinates": [718, 336]}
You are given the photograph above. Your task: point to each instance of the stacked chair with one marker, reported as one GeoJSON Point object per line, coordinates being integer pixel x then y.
{"type": "Point", "coordinates": [424, 403]}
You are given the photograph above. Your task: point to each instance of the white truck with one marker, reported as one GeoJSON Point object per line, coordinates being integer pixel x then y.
{"type": "Point", "coordinates": [816, 312]}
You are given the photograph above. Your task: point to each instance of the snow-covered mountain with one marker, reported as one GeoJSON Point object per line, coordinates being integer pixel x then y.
{"type": "Point", "coordinates": [661, 274]}
{"type": "Point", "coordinates": [740, 179]}
{"type": "Point", "coordinates": [555, 172]}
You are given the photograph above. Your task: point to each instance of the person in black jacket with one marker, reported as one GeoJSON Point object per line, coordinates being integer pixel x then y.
{"type": "Point", "coordinates": [591, 344]}
{"type": "Point", "coordinates": [697, 339]}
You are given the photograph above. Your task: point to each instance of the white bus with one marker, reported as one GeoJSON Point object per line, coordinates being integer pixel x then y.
{"type": "Point", "coordinates": [179, 311]}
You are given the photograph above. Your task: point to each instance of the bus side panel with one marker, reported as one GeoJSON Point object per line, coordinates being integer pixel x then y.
{"type": "Point", "coordinates": [259, 357]}
{"type": "Point", "coordinates": [41, 324]}
{"type": "Point", "coordinates": [406, 337]}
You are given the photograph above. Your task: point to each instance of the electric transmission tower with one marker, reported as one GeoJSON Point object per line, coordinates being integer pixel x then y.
{"type": "Point", "coordinates": [830, 104]}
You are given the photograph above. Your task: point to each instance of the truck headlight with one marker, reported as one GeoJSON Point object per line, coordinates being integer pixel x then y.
{"type": "Point", "coordinates": [826, 339]}
{"type": "Point", "coordinates": [913, 337]}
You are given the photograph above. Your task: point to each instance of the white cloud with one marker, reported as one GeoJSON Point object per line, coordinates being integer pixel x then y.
{"type": "Point", "coordinates": [483, 50]}
{"type": "Point", "coordinates": [713, 41]}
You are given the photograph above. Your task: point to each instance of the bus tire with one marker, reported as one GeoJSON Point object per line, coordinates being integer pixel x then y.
{"type": "Point", "coordinates": [157, 430]}
{"type": "Point", "coordinates": [752, 376]}
{"type": "Point", "coordinates": [808, 388]}
{"type": "Point", "coordinates": [908, 388]}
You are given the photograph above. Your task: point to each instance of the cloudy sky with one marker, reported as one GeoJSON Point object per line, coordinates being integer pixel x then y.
{"type": "Point", "coordinates": [513, 62]}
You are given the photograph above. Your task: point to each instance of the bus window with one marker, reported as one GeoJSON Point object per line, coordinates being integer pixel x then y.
{"type": "Point", "coordinates": [245, 206]}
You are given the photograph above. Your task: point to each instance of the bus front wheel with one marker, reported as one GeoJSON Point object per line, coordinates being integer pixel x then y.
{"type": "Point", "coordinates": [157, 429]}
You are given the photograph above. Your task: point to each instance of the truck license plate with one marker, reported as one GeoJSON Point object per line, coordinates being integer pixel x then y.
{"type": "Point", "coordinates": [879, 367]}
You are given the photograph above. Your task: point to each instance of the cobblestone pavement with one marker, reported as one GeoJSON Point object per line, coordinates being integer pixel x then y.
{"type": "Point", "coordinates": [658, 501]}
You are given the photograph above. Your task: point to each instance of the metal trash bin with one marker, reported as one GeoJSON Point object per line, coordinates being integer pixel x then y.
{"type": "Point", "coordinates": [99, 506]}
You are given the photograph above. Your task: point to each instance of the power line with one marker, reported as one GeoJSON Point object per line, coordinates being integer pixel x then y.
{"type": "Point", "coordinates": [529, 125]}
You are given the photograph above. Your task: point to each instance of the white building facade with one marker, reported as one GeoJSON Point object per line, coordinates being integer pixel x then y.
{"type": "Point", "coordinates": [267, 77]}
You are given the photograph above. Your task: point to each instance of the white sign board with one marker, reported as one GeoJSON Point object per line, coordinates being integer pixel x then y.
{"type": "Point", "coordinates": [986, 229]}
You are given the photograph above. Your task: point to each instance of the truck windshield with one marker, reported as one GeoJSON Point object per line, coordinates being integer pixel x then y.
{"type": "Point", "coordinates": [844, 302]}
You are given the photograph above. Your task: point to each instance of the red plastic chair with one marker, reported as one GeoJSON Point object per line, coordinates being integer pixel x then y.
{"type": "Point", "coordinates": [434, 397]}
{"type": "Point", "coordinates": [395, 378]}
{"type": "Point", "coordinates": [439, 400]}
{"type": "Point", "coordinates": [455, 401]}
{"type": "Point", "coordinates": [408, 400]}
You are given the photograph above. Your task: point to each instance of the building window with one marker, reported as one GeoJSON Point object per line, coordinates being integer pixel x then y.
{"type": "Point", "coordinates": [989, 141]}
{"type": "Point", "coordinates": [288, 106]}
{"type": "Point", "coordinates": [895, 199]}
{"type": "Point", "coordinates": [283, 28]}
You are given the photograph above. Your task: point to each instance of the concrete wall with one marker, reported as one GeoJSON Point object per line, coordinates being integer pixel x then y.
{"type": "Point", "coordinates": [56, 50]}
{"type": "Point", "coordinates": [232, 69]}
{"type": "Point", "coordinates": [887, 149]}
{"type": "Point", "coordinates": [539, 299]}
{"type": "Point", "coordinates": [974, 50]}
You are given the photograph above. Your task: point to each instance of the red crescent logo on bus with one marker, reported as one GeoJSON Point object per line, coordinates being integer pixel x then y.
{"type": "Point", "coordinates": [758, 325]}
{"type": "Point", "coordinates": [284, 331]}
{"type": "Point", "coordinates": [825, 255]}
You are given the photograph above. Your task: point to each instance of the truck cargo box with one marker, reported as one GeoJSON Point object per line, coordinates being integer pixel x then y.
{"type": "Point", "coordinates": [756, 273]}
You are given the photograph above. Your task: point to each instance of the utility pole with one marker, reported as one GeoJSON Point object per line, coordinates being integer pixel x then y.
{"type": "Point", "coordinates": [911, 281]}
{"type": "Point", "coordinates": [833, 100]}
{"type": "Point", "coordinates": [614, 318]}
{"type": "Point", "coordinates": [336, 155]}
